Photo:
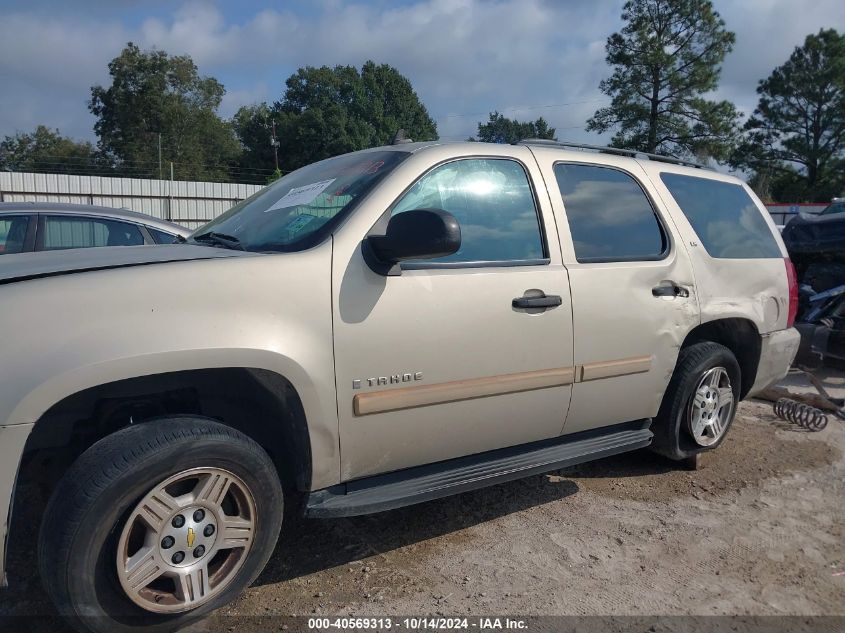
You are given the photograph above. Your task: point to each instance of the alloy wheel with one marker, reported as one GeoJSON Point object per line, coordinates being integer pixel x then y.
{"type": "Point", "coordinates": [186, 540]}
{"type": "Point", "coordinates": [711, 407]}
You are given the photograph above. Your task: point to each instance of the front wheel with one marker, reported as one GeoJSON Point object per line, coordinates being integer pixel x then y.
{"type": "Point", "coordinates": [158, 524]}
{"type": "Point", "coordinates": [700, 403]}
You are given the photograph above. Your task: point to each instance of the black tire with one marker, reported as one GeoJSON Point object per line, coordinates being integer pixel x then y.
{"type": "Point", "coordinates": [671, 437]}
{"type": "Point", "coordinates": [82, 521]}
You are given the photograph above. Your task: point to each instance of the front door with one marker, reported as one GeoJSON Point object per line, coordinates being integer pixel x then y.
{"type": "Point", "coordinates": [440, 361]}
{"type": "Point", "coordinates": [633, 290]}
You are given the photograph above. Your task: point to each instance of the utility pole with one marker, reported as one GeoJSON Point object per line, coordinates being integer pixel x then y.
{"type": "Point", "coordinates": [170, 194]}
{"type": "Point", "coordinates": [275, 143]}
{"type": "Point", "coordinates": [159, 156]}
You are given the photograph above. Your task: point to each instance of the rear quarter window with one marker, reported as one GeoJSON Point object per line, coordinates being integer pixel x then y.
{"type": "Point", "coordinates": [163, 237]}
{"type": "Point", "coordinates": [724, 217]}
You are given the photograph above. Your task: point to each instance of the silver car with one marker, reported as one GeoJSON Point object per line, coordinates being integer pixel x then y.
{"type": "Point", "coordinates": [27, 227]}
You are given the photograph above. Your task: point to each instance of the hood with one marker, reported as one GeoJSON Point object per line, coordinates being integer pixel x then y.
{"type": "Point", "coordinates": [52, 263]}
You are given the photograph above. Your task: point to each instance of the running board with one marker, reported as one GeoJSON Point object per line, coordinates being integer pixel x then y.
{"type": "Point", "coordinates": [432, 481]}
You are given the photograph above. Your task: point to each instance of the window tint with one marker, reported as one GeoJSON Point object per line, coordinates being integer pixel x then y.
{"type": "Point", "coordinates": [723, 216]}
{"type": "Point", "coordinates": [12, 233]}
{"type": "Point", "coordinates": [493, 203]}
{"type": "Point", "coordinates": [609, 215]}
{"type": "Point", "coordinates": [162, 237]}
{"type": "Point", "coordinates": [69, 232]}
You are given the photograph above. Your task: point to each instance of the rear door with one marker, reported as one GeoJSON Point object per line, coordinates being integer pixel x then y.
{"type": "Point", "coordinates": [633, 291]}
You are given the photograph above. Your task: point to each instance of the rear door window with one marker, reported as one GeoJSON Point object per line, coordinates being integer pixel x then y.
{"type": "Point", "coordinates": [723, 216]}
{"type": "Point", "coordinates": [62, 232]}
{"type": "Point", "coordinates": [610, 217]}
{"type": "Point", "coordinates": [13, 233]}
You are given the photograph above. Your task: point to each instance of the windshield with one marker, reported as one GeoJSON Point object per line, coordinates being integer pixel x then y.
{"type": "Point", "coordinates": [836, 207]}
{"type": "Point", "coordinates": [300, 209]}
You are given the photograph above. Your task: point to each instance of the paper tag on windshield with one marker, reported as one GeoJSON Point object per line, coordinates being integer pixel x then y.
{"type": "Point", "coordinates": [301, 195]}
{"type": "Point", "coordinates": [299, 222]}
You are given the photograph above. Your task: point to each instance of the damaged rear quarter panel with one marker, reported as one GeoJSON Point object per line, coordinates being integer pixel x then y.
{"type": "Point", "coordinates": [753, 289]}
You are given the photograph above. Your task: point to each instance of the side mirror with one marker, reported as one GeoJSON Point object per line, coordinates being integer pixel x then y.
{"type": "Point", "coordinates": [418, 234]}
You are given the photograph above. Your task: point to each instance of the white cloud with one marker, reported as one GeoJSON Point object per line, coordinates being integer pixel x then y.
{"type": "Point", "coordinates": [46, 69]}
{"type": "Point", "coordinates": [464, 57]}
{"type": "Point", "coordinates": [767, 31]}
{"type": "Point", "coordinates": [234, 99]}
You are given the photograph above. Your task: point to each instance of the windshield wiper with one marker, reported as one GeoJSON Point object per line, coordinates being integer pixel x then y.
{"type": "Point", "coordinates": [219, 239]}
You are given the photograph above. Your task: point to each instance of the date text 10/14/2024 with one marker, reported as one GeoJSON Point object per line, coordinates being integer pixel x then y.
{"type": "Point", "coordinates": [417, 624]}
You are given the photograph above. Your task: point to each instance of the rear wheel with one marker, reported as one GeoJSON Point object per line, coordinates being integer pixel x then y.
{"type": "Point", "coordinates": [158, 524]}
{"type": "Point", "coordinates": [700, 403]}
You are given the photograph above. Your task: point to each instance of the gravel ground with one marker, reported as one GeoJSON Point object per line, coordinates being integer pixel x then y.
{"type": "Point", "coordinates": [758, 530]}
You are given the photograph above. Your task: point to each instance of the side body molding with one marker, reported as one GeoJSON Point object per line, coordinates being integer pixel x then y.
{"type": "Point", "coordinates": [386, 400]}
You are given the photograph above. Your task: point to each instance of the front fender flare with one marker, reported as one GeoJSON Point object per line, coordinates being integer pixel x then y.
{"type": "Point", "coordinates": [321, 418]}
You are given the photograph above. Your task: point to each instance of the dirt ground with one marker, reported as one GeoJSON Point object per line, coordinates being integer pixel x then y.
{"type": "Point", "coordinates": [759, 530]}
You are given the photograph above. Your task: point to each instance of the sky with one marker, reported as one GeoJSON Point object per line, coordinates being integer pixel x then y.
{"type": "Point", "coordinates": [465, 58]}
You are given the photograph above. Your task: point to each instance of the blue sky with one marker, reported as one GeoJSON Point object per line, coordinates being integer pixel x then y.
{"type": "Point", "coordinates": [526, 58]}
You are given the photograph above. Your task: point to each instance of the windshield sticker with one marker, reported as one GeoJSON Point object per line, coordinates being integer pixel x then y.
{"type": "Point", "coordinates": [299, 222]}
{"type": "Point", "coordinates": [301, 195]}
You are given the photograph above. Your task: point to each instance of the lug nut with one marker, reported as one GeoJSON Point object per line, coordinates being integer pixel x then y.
{"type": "Point", "coordinates": [167, 542]}
{"type": "Point", "coordinates": [199, 551]}
{"type": "Point", "coordinates": [178, 557]}
{"type": "Point", "coordinates": [199, 515]}
{"type": "Point", "coordinates": [178, 521]}
{"type": "Point", "coordinates": [209, 530]}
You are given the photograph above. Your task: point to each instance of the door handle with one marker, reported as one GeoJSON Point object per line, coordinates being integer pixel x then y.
{"type": "Point", "coordinates": [543, 301]}
{"type": "Point", "coordinates": [670, 289]}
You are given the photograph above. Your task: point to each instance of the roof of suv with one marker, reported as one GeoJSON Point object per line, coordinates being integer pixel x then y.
{"type": "Point", "coordinates": [563, 146]}
{"type": "Point", "coordinates": [63, 208]}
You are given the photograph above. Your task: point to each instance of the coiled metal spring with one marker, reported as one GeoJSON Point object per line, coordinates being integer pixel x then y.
{"type": "Point", "coordinates": [801, 414]}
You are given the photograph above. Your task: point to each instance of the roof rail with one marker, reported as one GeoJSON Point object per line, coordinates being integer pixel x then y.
{"type": "Point", "coordinates": [611, 150]}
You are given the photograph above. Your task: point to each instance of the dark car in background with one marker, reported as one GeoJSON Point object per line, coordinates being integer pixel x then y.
{"type": "Point", "coordinates": [816, 245]}
{"type": "Point", "coordinates": [27, 227]}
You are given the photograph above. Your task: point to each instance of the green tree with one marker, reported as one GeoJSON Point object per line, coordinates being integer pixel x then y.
{"type": "Point", "coordinates": [666, 57]}
{"type": "Point", "coordinates": [46, 150]}
{"type": "Point", "coordinates": [328, 111]}
{"type": "Point", "coordinates": [795, 140]}
{"type": "Point", "coordinates": [253, 126]}
{"type": "Point", "coordinates": [500, 129]}
{"type": "Point", "coordinates": [153, 93]}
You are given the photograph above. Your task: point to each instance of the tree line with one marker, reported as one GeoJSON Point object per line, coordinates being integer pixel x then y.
{"type": "Point", "coordinates": [665, 67]}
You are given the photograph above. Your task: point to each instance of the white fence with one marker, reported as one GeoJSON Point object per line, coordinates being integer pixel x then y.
{"type": "Point", "coordinates": [190, 204]}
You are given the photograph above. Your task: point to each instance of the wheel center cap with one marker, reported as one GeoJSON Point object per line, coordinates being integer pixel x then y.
{"type": "Point", "coordinates": [188, 536]}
